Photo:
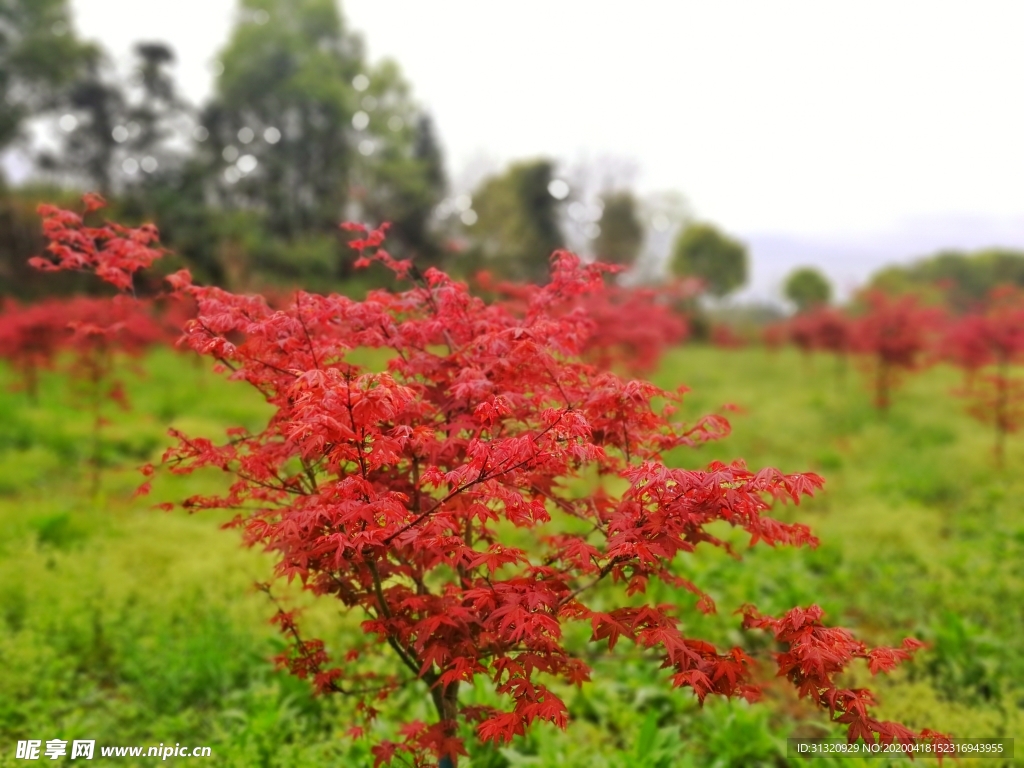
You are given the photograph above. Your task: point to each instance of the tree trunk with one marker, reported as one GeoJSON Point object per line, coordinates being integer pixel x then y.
{"type": "Point", "coordinates": [882, 386]}
{"type": "Point", "coordinates": [1002, 405]}
{"type": "Point", "coordinates": [446, 702]}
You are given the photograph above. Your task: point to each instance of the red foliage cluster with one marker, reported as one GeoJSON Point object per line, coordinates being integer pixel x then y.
{"type": "Point", "coordinates": [894, 332]}
{"type": "Point", "coordinates": [436, 500]}
{"type": "Point", "coordinates": [822, 329]}
{"type": "Point", "coordinates": [115, 253]}
{"type": "Point", "coordinates": [963, 343]}
{"type": "Point", "coordinates": [1004, 331]}
{"type": "Point", "coordinates": [633, 327]}
{"type": "Point", "coordinates": [630, 328]}
{"type": "Point", "coordinates": [725, 337]}
{"type": "Point", "coordinates": [802, 333]}
{"type": "Point", "coordinates": [994, 339]}
{"type": "Point", "coordinates": [103, 328]}
{"type": "Point", "coordinates": [814, 654]}
{"type": "Point", "coordinates": [30, 338]}
{"type": "Point", "coordinates": [774, 335]}
{"type": "Point", "coordinates": [833, 332]}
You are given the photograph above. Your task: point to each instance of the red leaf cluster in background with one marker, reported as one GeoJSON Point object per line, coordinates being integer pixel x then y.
{"type": "Point", "coordinates": [994, 340]}
{"type": "Point", "coordinates": [821, 329]}
{"type": "Point", "coordinates": [103, 329]}
{"type": "Point", "coordinates": [630, 328]}
{"type": "Point", "coordinates": [724, 337]}
{"type": "Point", "coordinates": [894, 332]}
{"type": "Point", "coordinates": [30, 338]}
{"type": "Point", "coordinates": [633, 327]}
{"type": "Point", "coordinates": [964, 344]}
{"type": "Point", "coordinates": [775, 335]}
{"type": "Point", "coordinates": [439, 499]}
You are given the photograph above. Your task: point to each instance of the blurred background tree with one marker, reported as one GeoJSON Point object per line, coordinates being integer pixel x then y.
{"type": "Point", "coordinates": [621, 233]}
{"type": "Point", "coordinates": [702, 251]}
{"type": "Point", "coordinates": [279, 125]}
{"type": "Point", "coordinates": [516, 229]}
{"type": "Point", "coordinates": [961, 280]}
{"type": "Point", "coordinates": [40, 61]}
{"type": "Point", "coordinates": [807, 288]}
{"type": "Point", "coordinates": [302, 134]}
{"type": "Point", "coordinates": [40, 58]}
{"type": "Point", "coordinates": [399, 171]}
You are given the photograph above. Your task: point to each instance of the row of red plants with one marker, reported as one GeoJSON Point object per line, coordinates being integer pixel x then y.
{"type": "Point", "coordinates": [398, 494]}
{"type": "Point", "coordinates": [896, 335]}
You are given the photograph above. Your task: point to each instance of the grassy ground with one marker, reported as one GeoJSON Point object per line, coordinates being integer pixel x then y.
{"type": "Point", "coordinates": [130, 626]}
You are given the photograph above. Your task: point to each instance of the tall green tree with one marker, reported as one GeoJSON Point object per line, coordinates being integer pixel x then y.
{"type": "Point", "coordinates": [398, 172]}
{"type": "Point", "coordinates": [159, 120]}
{"type": "Point", "coordinates": [303, 134]}
{"type": "Point", "coordinates": [168, 182]}
{"type": "Point", "coordinates": [121, 134]}
{"type": "Point", "coordinates": [284, 102]}
{"type": "Point", "coordinates": [96, 102]}
{"type": "Point", "coordinates": [517, 227]}
{"type": "Point", "coordinates": [702, 251]}
{"type": "Point", "coordinates": [38, 54]}
{"type": "Point", "coordinates": [806, 287]}
{"type": "Point", "coordinates": [622, 234]}
{"type": "Point", "coordinates": [40, 57]}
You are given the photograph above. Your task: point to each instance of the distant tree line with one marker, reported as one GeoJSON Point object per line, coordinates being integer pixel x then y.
{"type": "Point", "coordinates": [959, 279]}
{"type": "Point", "coordinates": [301, 132]}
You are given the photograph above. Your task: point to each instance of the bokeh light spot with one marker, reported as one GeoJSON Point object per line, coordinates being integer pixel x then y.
{"type": "Point", "coordinates": [247, 163]}
{"type": "Point", "coordinates": [360, 120]}
{"type": "Point", "coordinates": [558, 189]}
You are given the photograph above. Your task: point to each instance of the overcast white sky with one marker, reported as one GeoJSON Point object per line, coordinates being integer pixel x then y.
{"type": "Point", "coordinates": [885, 126]}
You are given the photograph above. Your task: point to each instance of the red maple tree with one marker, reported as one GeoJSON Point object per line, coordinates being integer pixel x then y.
{"type": "Point", "coordinates": [725, 336]}
{"type": "Point", "coordinates": [963, 344]}
{"type": "Point", "coordinates": [894, 333]}
{"type": "Point", "coordinates": [992, 340]}
{"type": "Point", "coordinates": [103, 329]}
{"type": "Point", "coordinates": [823, 329]}
{"type": "Point", "coordinates": [435, 501]}
{"type": "Point", "coordinates": [774, 335]}
{"type": "Point", "coordinates": [31, 337]}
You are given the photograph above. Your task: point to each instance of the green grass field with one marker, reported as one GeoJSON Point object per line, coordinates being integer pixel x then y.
{"type": "Point", "coordinates": [137, 627]}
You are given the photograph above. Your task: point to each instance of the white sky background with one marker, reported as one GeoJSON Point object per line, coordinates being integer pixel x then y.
{"type": "Point", "coordinates": [847, 135]}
